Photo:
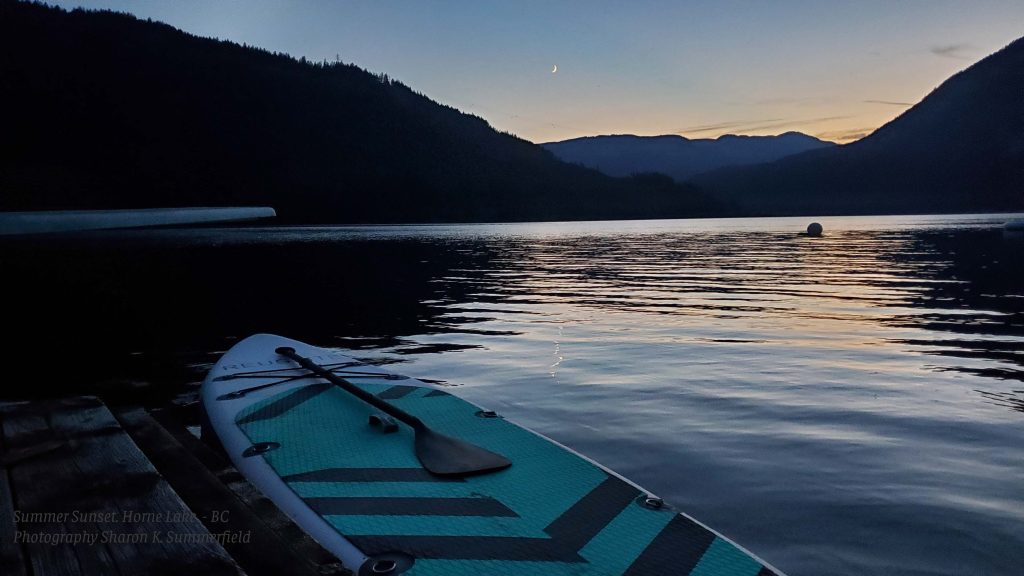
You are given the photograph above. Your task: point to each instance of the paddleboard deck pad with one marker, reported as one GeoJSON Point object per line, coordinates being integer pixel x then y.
{"type": "Point", "coordinates": [358, 488]}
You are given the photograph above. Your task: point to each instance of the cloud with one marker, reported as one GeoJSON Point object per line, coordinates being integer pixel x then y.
{"type": "Point", "coordinates": [741, 124]}
{"type": "Point", "coordinates": [754, 125]}
{"type": "Point", "coordinates": [890, 103]}
{"type": "Point", "coordinates": [956, 51]}
{"type": "Point", "coordinates": [844, 136]}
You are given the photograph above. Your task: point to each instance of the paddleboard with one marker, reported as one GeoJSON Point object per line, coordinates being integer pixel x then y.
{"type": "Point", "coordinates": [349, 476]}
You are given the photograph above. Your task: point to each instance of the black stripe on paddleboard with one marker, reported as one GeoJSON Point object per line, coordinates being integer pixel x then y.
{"type": "Point", "coordinates": [675, 550]}
{"type": "Point", "coordinates": [395, 392]}
{"type": "Point", "coordinates": [383, 506]}
{"type": "Point", "coordinates": [766, 572]}
{"type": "Point", "coordinates": [279, 407]}
{"type": "Point", "coordinates": [592, 513]}
{"type": "Point", "coordinates": [370, 475]}
{"type": "Point", "coordinates": [569, 533]}
{"type": "Point", "coordinates": [469, 547]}
{"type": "Point", "coordinates": [433, 393]}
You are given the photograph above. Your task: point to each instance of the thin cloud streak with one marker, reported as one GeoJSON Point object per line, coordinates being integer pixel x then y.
{"type": "Point", "coordinates": [744, 124]}
{"type": "Point", "coordinates": [754, 125]}
{"type": "Point", "coordinates": [890, 103]}
{"type": "Point", "coordinates": [955, 51]}
{"type": "Point", "coordinates": [844, 136]}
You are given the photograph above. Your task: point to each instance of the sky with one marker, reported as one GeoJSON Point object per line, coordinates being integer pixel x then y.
{"type": "Point", "coordinates": [833, 69]}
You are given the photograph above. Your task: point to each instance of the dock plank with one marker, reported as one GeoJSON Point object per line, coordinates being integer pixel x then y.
{"type": "Point", "coordinates": [97, 469]}
{"type": "Point", "coordinates": [277, 546]}
{"type": "Point", "coordinates": [12, 556]}
{"type": "Point", "coordinates": [35, 483]}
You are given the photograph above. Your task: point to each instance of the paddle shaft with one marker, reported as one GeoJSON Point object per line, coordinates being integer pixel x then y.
{"type": "Point", "coordinates": [383, 406]}
{"type": "Point", "coordinates": [439, 454]}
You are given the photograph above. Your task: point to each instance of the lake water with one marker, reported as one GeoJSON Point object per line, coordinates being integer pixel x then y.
{"type": "Point", "coordinates": [851, 404]}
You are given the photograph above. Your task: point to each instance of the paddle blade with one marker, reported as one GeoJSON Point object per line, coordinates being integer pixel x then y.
{"type": "Point", "coordinates": [447, 456]}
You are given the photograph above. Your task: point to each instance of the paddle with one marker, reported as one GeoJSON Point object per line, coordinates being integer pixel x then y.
{"type": "Point", "coordinates": [439, 454]}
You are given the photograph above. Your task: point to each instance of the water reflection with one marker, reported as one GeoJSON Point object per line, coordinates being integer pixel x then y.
{"type": "Point", "coordinates": [847, 404]}
{"type": "Point", "coordinates": [959, 290]}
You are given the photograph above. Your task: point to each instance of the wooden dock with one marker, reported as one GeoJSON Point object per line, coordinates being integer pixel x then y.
{"type": "Point", "coordinates": [90, 491]}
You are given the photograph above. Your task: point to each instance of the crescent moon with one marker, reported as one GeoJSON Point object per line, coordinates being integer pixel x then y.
{"type": "Point", "coordinates": [555, 69]}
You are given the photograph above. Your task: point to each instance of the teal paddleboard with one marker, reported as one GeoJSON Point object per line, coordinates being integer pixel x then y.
{"type": "Point", "coordinates": [359, 489]}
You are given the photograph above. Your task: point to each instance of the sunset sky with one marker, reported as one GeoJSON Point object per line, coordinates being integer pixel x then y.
{"type": "Point", "coordinates": [836, 70]}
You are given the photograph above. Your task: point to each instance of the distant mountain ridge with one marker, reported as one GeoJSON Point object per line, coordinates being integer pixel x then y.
{"type": "Point", "coordinates": [961, 149]}
{"type": "Point", "coordinates": [103, 110]}
{"type": "Point", "coordinates": [677, 156]}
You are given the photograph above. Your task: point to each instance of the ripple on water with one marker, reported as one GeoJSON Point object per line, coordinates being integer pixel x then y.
{"type": "Point", "coordinates": [850, 404]}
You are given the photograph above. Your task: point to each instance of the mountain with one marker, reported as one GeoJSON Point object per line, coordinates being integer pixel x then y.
{"type": "Point", "coordinates": [102, 110]}
{"type": "Point", "coordinates": [676, 156]}
{"type": "Point", "coordinates": [961, 149]}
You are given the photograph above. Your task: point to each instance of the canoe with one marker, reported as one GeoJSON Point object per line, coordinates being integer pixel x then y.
{"type": "Point", "coordinates": [53, 221]}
